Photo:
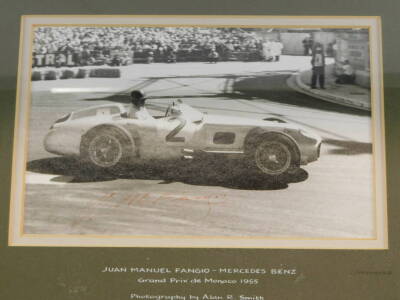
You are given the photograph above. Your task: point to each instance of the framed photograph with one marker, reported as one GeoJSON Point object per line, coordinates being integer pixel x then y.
{"type": "Point", "coordinates": [199, 132]}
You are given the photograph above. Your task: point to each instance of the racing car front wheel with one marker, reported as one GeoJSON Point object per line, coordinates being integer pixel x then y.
{"type": "Point", "coordinates": [104, 149]}
{"type": "Point", "coordinates": [273, 156]}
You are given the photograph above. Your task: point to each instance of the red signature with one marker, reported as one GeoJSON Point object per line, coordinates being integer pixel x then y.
{"type": "Point", "coordinates": [117, 200]}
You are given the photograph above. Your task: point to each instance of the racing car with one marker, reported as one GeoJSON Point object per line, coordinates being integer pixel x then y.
{"type": "Point", "coordinates": [106, 136]}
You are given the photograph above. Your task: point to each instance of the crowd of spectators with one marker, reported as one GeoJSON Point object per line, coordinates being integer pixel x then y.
{"type": "Point", "coordinates": [125, 45]}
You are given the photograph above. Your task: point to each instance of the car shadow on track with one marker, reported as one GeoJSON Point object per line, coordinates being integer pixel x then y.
{"type": "Point", "coordinates": [223, 173]}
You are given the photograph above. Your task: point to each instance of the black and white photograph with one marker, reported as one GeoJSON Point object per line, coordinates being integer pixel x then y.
{"type": "Point", "coordinates": [189, 132]}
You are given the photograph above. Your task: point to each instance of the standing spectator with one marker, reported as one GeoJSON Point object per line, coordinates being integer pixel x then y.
{"type": "Point", "coordinates": [334, 50]}
{"type": "Point", "coordinates": [85, 56]}
{"type": "Point", "coordinates": [329, 50]}
{"type": "Point", "coordinates": [277, 46]}
{"type": "Point", "coordinates": [318, 67]}
{"type": "Point", "coordinates": [306, 45]}
{"type": "Point", "coordinates": [267, 50]}
{"type": "Point", "coordinates": [311, 44]}
{"type": "Point", "coordinates": [274, 50]}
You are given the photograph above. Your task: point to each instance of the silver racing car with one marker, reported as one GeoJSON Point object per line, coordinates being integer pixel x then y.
{"type": "Point", "coordinates": [105, 136]}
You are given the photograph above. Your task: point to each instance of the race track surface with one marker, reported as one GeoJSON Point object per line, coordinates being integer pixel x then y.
{"type": "Point", "coordinates": [330, 198]}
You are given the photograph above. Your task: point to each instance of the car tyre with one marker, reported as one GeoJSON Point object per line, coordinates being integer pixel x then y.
{"type": "Point", "coordinates": [274, 156]}
{"type": "Point", "coordinates": [105, 149]}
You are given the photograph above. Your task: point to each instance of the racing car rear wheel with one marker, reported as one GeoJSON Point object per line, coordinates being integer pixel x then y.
{"type": "Point", "coordinates": [274, 156]}
{"type": "Point", "coordinates": [104, 148]}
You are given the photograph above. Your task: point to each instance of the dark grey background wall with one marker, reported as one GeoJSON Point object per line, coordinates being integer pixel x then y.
{"type": "Point", "coordinates": [46, 273]}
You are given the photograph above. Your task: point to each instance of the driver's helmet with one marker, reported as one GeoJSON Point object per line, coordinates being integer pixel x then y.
{"type": "Point", "coordinates": [138, 94]}
{"type": "Point", "coordinates": [138, 97]}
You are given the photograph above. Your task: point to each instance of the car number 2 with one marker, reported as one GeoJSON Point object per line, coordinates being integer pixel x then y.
{"type": "Point", "coordinates": [171, 137]}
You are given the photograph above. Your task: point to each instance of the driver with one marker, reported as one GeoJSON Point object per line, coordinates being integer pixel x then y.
{"type": "Point", "coordinates": [137, 109]}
